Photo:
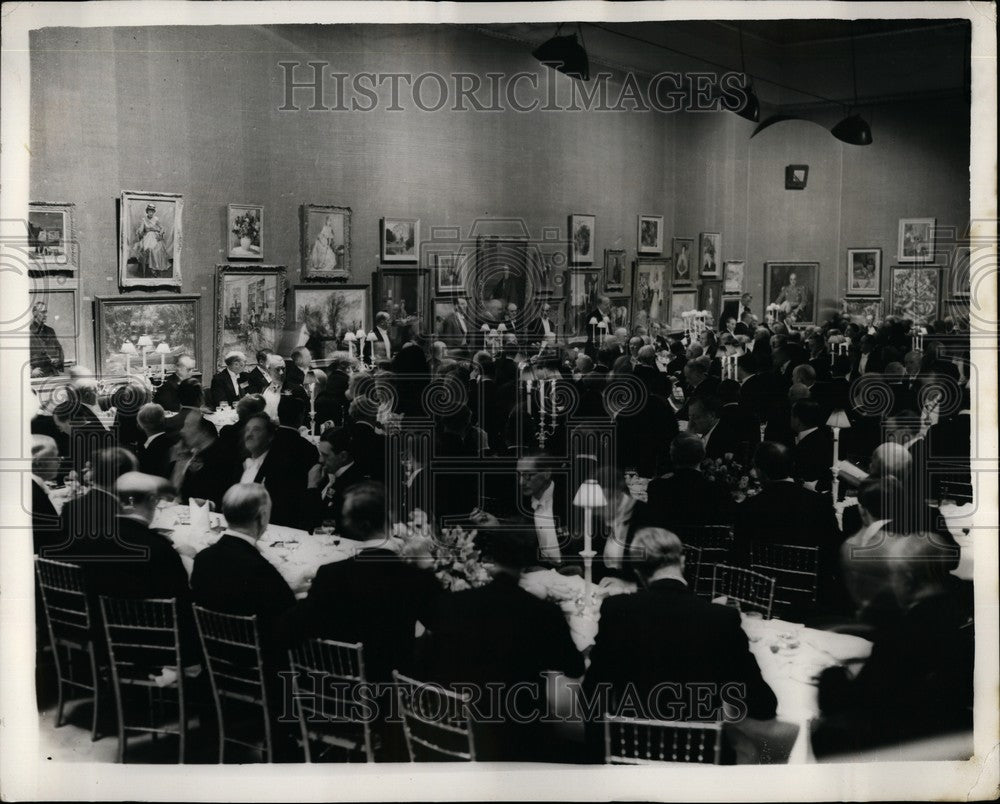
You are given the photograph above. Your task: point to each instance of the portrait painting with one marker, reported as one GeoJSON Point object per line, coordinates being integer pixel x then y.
{"type": "Point", "coordinates": [710, 298]}
{"type": "Point", "coordinates": [650, 235]}
{"type": "Point", "coordinates": [584, 291]}
{"type": "Point", "coordinates": [326, 242]}
{"type": "Point", "coordinates": [792, 286]}
{"type": "Point", "coordinates": [915, 292]}
{"type": "Point", "coordinates": [614, 270]}
{"type": "Point", "coordinates": [709, 253]}
{"type": "Point", "coordinates": [400, 239]}
{"type": "Point", "coordinates": [60, 314]}
{"type": "Point", "coordinates": [171, 320]}
{"type": "Point", "coordinates": [733, 275]}
{"type": "Point", "coordinates": [649, 284]}
{"type": "Point", "coordinates": [681, 301]}
{"type": "Point", "coordinates": [685, 267]}
{"type": "Point", "coordinates": [52, 244]}
{"type": "Point", "coordinates": [441, 308]}
{"type": "Point", "coordinates": [730, 309]}
{"type": "Point", "coordinates": [449, 270]}
{"type": "Point", "coordinates": [324, 313]}
{"type": "Point", "coordinates": [245, 232]}
{"type": "Point", "coordinates": [864, 271]}
{"type": "Point", "coordinates": [916, 240]}
{"type": "Point", "coordinates": [251, 309]}
{"type": "Point", "coordinates": [150, 239]}
{"type": "Point", "coordinates": [402, 294]}
{"type": "Point", "coordinates": [503, 274]}
{"type": "Point", "coordinates": [621, 311]}
{"type": "Point", "coordinates": [862, 311]}
{"type": "Point", "coordinates": [581, 240]}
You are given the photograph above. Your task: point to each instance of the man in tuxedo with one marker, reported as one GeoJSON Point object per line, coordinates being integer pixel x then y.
{"type": "Point", "coordinates": [44, 519]}
{"type": "Point", "coordinates": [757, 390]}
{"type": "Point", "coordinates": [231, 435]}
{"type": "Point", "coordinates": [381, 348]}
{"type": "Point", "coordinates": [156, 453]}
{"type": "Point", "coordinates": [278, 386]}
{"type": "Point", "coordinates": [685, 498]}
{"type": "Point", "coordinates": [813, 451]}
{"type": "Point", "coordinates": [678, 359]}
{"type": "Point", "coordinates": [665, 639]}
{"type": "Point", "coordinates": [456, 329]}
{"type": "Point", "coordinates": [697, 381]}
{"type": "Point", "coordinates": [231, 384]}
{"type": "Point", "coordinates": [744, 307]}
{"type": "Point", "coordinates": [270, 464]}
{"type": "Point", "coordinates": [745, 325]}
{"type": "Point", "coordinates": [500, 637]}
{"type": "Point", "coordinates": [257, 378]}
{"type": "Point", "coordinates": [646, 371]}
{"type": "Point", "coordinates": [202, 464]}
{"type": "Point", "coordinates": [301, 452]}
{"type": "Point", "coordinates": [720, 437]}
{"type": "Point", "coordinates": [330, 478]}
{"type": "Point", "coordinates": [46, 351]}
{"type": "Point", "coordinates": [626, 362]}
{"type": "Point", "coordinates": [542, 328]}
{"type": "Point", "coordinates": [167, 394]}
{"type": "Point", "coordinates": [299, 365]}
{"type": "Point", "coordinates": [740, 419]}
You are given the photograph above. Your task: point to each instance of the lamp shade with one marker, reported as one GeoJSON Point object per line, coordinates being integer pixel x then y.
{"type": "Point", "coordinates": [838, 419]}
{"type": "Point", "coordinates": [602, 324]}
{"type": "Point", "coordinates": [360, 334]}
{"type": "Point", "coordinates": [163, 348]}
{"type": "Point", "coordinates": [565, 54]}
{"type": "Point", "coordinates": [590, 495]}
{"type": "Point", "coordinates": [145, 342]}
{"type": "Point", "coordinates": [592, 322]}
{"type": "Point", "coordinates": [128, 348]}
{"type": "Point", "coordinates": [853, 130]}
{"type": "Point", "coordinates": [485, 328]}
{"type": "Point", "coordinates": [349, 337]}
{"type": "Point", "coordinates": [372, 337]}
{"type": "Point", "coordinates": [501, 327]}
{"type": "Point", "coordinates": [770, 121]}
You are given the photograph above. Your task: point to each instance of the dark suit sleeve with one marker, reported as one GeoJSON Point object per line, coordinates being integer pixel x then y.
{"type": "Point", "coordinates": [760, 700]}
{"type": "Point", "coordinates": [605, 652]}
{"type": "Point", "coordinates": [561, 653]}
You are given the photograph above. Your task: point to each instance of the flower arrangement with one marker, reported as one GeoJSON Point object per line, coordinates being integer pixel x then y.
{"type": "Point", "coordinates": [247, 225]}
{"type": "Point", "coordinates": [740, 482]}
{"type": "Point", "coordinates": [452, 554]}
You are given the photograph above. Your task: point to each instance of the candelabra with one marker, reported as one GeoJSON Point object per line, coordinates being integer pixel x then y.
{"type": "Point", "coordinates": [729, 364]}
{"type": "Point", "coordinates": [493, 338]}
{"type": "Point", "coordinates": [695, 323]}
{"type": "Point", "coordinates": [310, 384]}
{"type": "Point", "coordinates": [547, 411]}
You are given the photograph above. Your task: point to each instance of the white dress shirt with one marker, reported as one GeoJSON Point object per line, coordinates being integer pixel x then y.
{"type": "Point", "coordinates": [804, 433]}
{"type": "Point", "coordinates": [547, 327]}
{"type": "Point", "coordinates": [328, 491]}
{"type": "Point", "coordinates": [545, 524]}
{"type": "Point", "coordinates": [236, 381]}
{"type": "Point", "coordinates": [708, 435]}
{"type": "Point", "coordinates": [251, 466]}
{"type": "Point", "coordinates": [384, 337]}
{"type": "Point", "coordinates": [151, 439]}
{"type": "Point", "coordinates": [614, 548]}
{"type": "Point", "coordinates": [272, 395]}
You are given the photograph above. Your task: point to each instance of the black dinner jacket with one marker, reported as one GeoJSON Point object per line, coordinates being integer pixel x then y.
{"type": "Point", "coordinates": [293, 374]}
{"type": "Point", "coordinates": [813, 456]}
{"type": "Point", "coordinates": [210, 474]}
{"type": "Point", "coordinates": [761, 394]}
{"type": "Point", "coordinates": [656, 381]}
{"type": "Point", "coordinates": [166, 395]}
{"type": "Point", "coordinates": [257, 380]}
{"type": "Point", "coordinates": [375, 598]}
{"type": "Point", "coordinates": [222, 388]}
{"type": "Point", "coordinates": [684, 499]}
{"type": "Point", "coordinates": [89, 529]}
{"type": "Point", "coordinates": [318, 506]}
{"type": "Point", "coordinates": [284, 481]}
{"type": "Point", "coordinates": [301, 453]}
{"type": "Point", "coordinates": [665, 633]}
{"type": "Point", "coordinates": [157, 458]}
{"type": "Point", "coordinates": [725, 438]}
{"type": "Point", "coordinates": [45, 530]}
{"type": "Point", "coordinates": [745, 424]}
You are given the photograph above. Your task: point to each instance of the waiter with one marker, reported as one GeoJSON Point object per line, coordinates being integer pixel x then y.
{"type": "Point", "coordinates": [46, 351]}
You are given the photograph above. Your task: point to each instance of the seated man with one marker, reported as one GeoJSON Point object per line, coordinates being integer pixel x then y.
{"type": "Point", "coordinates": [44, 519]}
{"type": "Point", "coordinates": [232, 383]}
{"type": "Point", "coordinates": [813, 451]}
{"type": "Point", "coordinates": [665, 639]}
{"type": "Point", "coordinates": [156, 453]}
{"type": "Point", "coordinates": [329, 479]}
{"type": "Point", "coordinates": [270, 463]}
{"type": "Point", "coordinates": [685, 498]}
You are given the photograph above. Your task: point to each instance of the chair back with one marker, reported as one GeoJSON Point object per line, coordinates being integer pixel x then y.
{"type": "Point", "coordinates": [959, 492]}
{"type": "Point", "coordinates": [715, 544]}
{"type": "Point", "coordinates": [436, 721]}
{"type": "Point", "coordinates": [692, 566]}
{"type": "Point", "coordinates": [64, 597]}
{"type": "Point", "coordinates": [326, 678]}
{"type": "Point", "coordinates": [743, 588]}
{"type": "Point", "coordinates": [233, 656]}
{"type": "Point", "coordinates": [795, 569]}
{"type": "Point", "coordinates": [633, 741]}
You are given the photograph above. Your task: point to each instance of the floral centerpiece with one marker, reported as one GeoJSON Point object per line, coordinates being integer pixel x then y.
{"type": "Point", "coordinates": [451, 554]}
{"type": "Point", "coordinates": [741, 482]}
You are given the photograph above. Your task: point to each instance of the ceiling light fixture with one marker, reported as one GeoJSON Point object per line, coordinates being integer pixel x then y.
{"type": "Point", "coordinates": [565, 54]}
{"type": "Point", "coordinates": [853, 129]}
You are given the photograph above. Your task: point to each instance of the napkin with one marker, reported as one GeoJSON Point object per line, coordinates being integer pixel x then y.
{"type": "Point", "coordinates": [200, 519]}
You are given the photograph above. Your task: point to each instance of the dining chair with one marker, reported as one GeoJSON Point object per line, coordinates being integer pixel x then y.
{"type": "Point", "coordinates": [715, 543]}
{"type": "Point", "coordinates": [232, 651]}
{"type": "Point", "coordinates": [71, 634]}
{"type": "Point", "coordinates": [143, 641]}
{"type": "Point", "coordinates": [746, 589]}
{"type": "Point", "coordinates": [634, 741]}
{"type": "Point", "coordinates": [692, 566]}
{"type": "Point", "coordinates": [436, 721]}
{"type": "Point", "coordinates": [795, 569]}
{"type": "Point", "coordinates": [327, 706]}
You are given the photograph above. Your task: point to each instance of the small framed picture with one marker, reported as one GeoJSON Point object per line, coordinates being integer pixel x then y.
{"type": "Point", "coordinates": [52, 244]}
{"type": "Point", "coordinates": [650, 235]}
{"type": "Point", "coordinates": [916, 239]}
{"type": "Point", "coordinates": [681, 301]}
{"type": "Point", "coordinates": [684, 272]}
{"type": "Point", "coordinates": [449, 273]}
{"type": "Point", "coordinates": [581, 239]}
{"type": "Point", "coordinates": [864, 271]}
{"type": "Point", "coordinates": [150, 240]}
{"type": "Point", "coordinates": [733, 274]}
{"type": "Point", "coordinates": [326, 242]}
{"type": "Point", "coordinates": [400, 239]}
{"type": "Point", "coordinates": [709, 253]}
{"type": "Point", "coordinates": [246, 232]}
{"type": "Point", "coordinates": [796, 177]}
{"type": "Point", "coordinates": [614, 270]}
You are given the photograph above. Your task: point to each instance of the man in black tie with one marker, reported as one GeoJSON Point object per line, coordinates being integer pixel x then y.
{"type": "Point", "coordinates": [456, 327]}
{"type": "Point", "coordinates": [44, 468]}
{"type": "Point", "coordinates": [719, 436]}
{"type": "Point", "coordinates": [288, 440]}
{"type": "Point", "coordinates": [330, 478]}
{"type": "Point", "coordinates": [257, 378]}
{"type": "Point", "coordinates": [380, 348]}
{"type": "Point", "coordinates": [203, 466]}
{"type": "Point", "coordinates": [543, 328]}
{"type": "Point", "coordinates": [231, 384]}
{"type": "Point", "coordinates": [298, 366]}
{"type": "Point", "coordinates": [167, 394]}
{"type": "Point", "coordinates": [685, 498]}
{"type": "Point", "coordinates": [813, 451]}
{"type": "Point", "coordinates": [271, 465]}
{"type": "Point", "coordinates": [156, 453]}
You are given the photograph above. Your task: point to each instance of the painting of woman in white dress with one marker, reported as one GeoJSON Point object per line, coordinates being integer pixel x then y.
{"type": "Point", "coordinates": [326, 242]}
{"type": "Point", "coordinates": [150, 239]}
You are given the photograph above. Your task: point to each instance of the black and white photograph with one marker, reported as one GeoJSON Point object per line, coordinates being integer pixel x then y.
{"type": "Point", "coordinates": [424, 486]}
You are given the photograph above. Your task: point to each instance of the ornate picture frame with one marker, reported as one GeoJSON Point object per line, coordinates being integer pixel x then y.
{"type": "Point", "coordinates": [864, 272]}
{"type": "Point", "coordinates": [245, 231]}
{"type": "Point", "coordinates": [649, 234]}
{"type": "Point", "coordinates": [322, 314]}
{"type": "Point", "coordinates": [581, 238]}
{"type": "Point", "coordinates": [325, 242]}
{"type": "Point", "coordinates": [250, 309]}
{"type": "Point", "coordinates": [172, 319]}
{"type": "Point", "coordinates": [399, 239]}
{"type": "Point", "coordinates": [150, 239]}
{"type": "Point", "coordinates": [52, 239]}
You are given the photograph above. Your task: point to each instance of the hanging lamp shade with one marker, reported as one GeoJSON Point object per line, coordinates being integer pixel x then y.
{"type": "Point", "coordinates": [853, 130]}
{"type": "Point", "coordinates": [566, 55]}
{"type": "Point", "coordinates": [750, 110]}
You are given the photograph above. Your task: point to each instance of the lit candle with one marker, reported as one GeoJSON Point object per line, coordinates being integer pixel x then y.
{"type": "Point", "coordinates": [603, 334]}
{"type": "Point", "coordinates": [541, 399]}
{"type": "Point", "coordinates": [552, 389]}
{"type": "Point", "coordinates": [527, 385]}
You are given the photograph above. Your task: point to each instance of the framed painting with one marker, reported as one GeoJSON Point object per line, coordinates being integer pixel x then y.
{"type": "Point", "coordinates": [862, 311]}
{"type": "Point", "coordinates": [52, 243]}
{"type": "Point", "coordinates": [916, 240]}
{"type": "Point", "coordinates": [326, 242]}
{"type": "Point", "coordinates": [150, 239]}
{"type": "Point", "coordinates": [402, 293]}
{"type": "Point", "coordinates": [614, 270]}
{"type": "Point", "coordinates": [792, 286]}
{"type": "Point", "coordinates": [441, 308]}
{"type": "Point", "coordinates": [796, 177]}
{"type": "Point", "coordinates": [584, 291]}
{"type": "Point", "coordinates": [681, 301]}
{"type": "Point", "coordinates": [449, 273]}
{"type": "Point", "coordinates": [581, 239]}
{"type": "Point", "coordinates": [400, 239]}
{"type": "Point", "coordinates": [915, 292]}
{"type": "Point", "coordinates": [864, 271]}
{"type": "Point", "coordinates": [650, 234]}
{"type": "Point", "coordinates": [250, 313]}
{"type": "Point", "coordinates": [709, 253]}
{"type": "Point", "coordinates": [621, 312]}
{"type": "Point", "coordinates": [650, 280]}
{"type": "Point", "coordinates": [171, 320]}
{"type": "Point", "coordinates": [324, 313]}
{"type": "Point", "coordinates": [710, 298]}
{"type": "Point", "coordinates": [685, 271]}
{"type": "Point", "coordinates": [503, 275]}
{"type": "Point", "coordinates": [245, 230]}
{"type": "Point", "coordinates": [55, 310]}
{"type": "Point", "coordinates": [733, 276]}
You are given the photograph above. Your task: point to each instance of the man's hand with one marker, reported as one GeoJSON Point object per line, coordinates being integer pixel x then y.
{"type": "Point", "coordinates": [484, 519]}
{"type": "Point", "coordinates": [315, 476]}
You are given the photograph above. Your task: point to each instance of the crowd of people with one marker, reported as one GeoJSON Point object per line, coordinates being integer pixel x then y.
{"type": "Point", "coordinates": [488, 436]}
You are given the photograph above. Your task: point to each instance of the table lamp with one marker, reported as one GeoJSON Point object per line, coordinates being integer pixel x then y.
{"type": "Point", "coordinates": [128, 349]}
{"type": "Point", "coordinates": [163, 349]}
{"type": "Point", "coordinates": [838, 420]}
{"type": "Point", "coordinates": [590, 495]}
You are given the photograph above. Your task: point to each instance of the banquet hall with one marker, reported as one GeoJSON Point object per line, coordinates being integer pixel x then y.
{"type": "Point", "coordinates": [576, 393]}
